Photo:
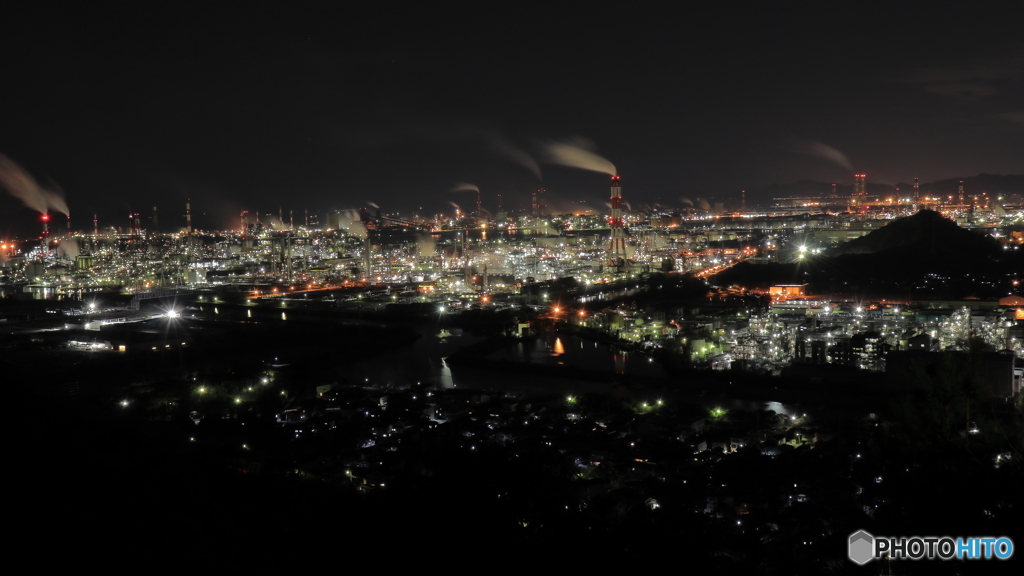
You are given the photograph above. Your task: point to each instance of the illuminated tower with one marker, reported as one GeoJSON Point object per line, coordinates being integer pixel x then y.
{"type": "Point", "coordinates": [860, 185]}
{"type": "Point", "coordinates": [617, 246]}
{"type": "Point", "coordinates": [743, 201]}
{"type": "Point", "coordinates": [859, 190]}
{"type": "Point", "coordinates": [188, 216]}
{"type": "Point", "coordinates": [832, 194]}
{"type": "Point", "coordinates": [95, 225]}
{"type": "Point", "coordinates": [46, 225]}
{"type": "Point", "coordinates": [960, 194]}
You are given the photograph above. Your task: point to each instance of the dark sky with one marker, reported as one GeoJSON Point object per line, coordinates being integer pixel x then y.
{"type": "Point", "coordinates": [260, 104]}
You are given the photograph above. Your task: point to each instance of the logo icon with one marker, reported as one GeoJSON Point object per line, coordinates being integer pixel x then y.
{"type": "Point", "coordinates": [862, 547]}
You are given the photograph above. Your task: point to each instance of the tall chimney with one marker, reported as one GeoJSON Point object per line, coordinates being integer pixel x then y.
{"type": "Point", "coordinates": [617, 247]}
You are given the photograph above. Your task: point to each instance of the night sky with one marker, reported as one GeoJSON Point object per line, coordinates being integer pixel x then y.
{"type": "Point", "coordinates": [261, 105]}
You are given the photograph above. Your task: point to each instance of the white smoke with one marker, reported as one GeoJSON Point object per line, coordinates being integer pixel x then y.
{"type": "Point", "coordinates": [350, 221]}
{"type": "Point", "coordinates": [68, 246]}
{"type": "Point", "coordinates": [465, 187]}
{"type": "Point", "coordinates": [24, 187]}
{"type": "Point", "coordinates": [502, 146]}
{"type": "Point", "coordinates": [425, 245]}
{"type": "Point", "coordinates": [821, 150]}
{"type": "Point", "coordinates": [578, 153]}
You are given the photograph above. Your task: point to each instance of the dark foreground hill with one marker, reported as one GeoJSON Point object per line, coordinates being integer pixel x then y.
{"type": "Point", "coordinates": [897, 255]}
{"type": "Point", "coordinates": [926, 234]}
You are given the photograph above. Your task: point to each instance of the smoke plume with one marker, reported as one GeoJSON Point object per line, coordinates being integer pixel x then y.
{"type": "Point", "coordinates": [815, 148]}
{"type": "Point", "coordinates": [350, 221]}
{"type": "Point", "coordinates": [578, 153]}
{"type": "Point", "coordinates": [24, 187]}
{"type": "Point", "coordinates": [465, 187]}
{"type": "Point", "coordinates": [425, 245]}
{"type": "Point", "coordinates": [69, 247]}
{"type": "Point", "coordinates": [503, 147]}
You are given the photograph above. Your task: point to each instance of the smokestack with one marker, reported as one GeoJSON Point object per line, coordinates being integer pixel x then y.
{"type": "Point", "coordinates": [832, 194]}
{"type": "Point", "coordinates": [156, 221]}
{"type": "Point", "coordinates": [291, 219]}
{"type": "Point", "coordinates": [280, 216]}
{"type": "Point", "coordinates": [368, 260]}
{"type": "Point", "coordinates": [46, 225]}
{"type": "Point", "coordinates": [95, 225]}
{"type": "Point", "coordinates": [69, 224]}
{"type": "Point", "coordinates": [960, 194]}
{"type": "Point", "coordinates": [479, 212]}
{"type": "Point", "coordinates": [307, 217]}
{"type": "Point", "coordinates": [541, 206]}
{"type": "Point", "coordinates": [917, 190]}
{"type": "Point", "coordinates": [617, 246]}
{"type": "Point", "coordinates": [860, 188]}
{"type": "Point", "coordinates": [743, 200]}
{"type": "Point", "coordinates": [188, 216]}
{"type": "Point", "coordinates": [534, 207]}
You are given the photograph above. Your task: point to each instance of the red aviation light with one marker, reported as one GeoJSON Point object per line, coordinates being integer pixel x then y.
{"type": "Point", "coordinates": [46, 216]}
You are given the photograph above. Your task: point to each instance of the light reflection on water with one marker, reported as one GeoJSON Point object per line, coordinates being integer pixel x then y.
{"type": "Point", "coordinates": [552, 348]}
{"type": "Point", "coordinates": [423, 361]}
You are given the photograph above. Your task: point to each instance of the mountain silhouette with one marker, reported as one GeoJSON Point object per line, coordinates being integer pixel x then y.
{"type": "Point", "coordinates": [926, 234]}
